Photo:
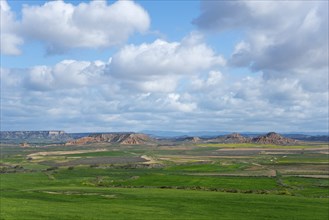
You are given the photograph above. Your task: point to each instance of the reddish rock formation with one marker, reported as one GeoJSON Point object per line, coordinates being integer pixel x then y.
{"type": "Point", "coordinates": [231, 138]}
{"type": "Point", "coordinates": [273, 138]}
{"type": "Point", "coordinates": [118, 138]}
{"type": "Point", "coordinates": [83, 140]}
{"type": "Point", "coordinates": [236, 138]}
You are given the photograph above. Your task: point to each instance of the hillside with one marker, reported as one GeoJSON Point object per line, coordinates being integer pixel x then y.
{"type": "Point", "coordinates": [273, 138]}
{"type": "Point", "coordinates": [114, 138]}
{"type": "Point", "coordinates": [230, 138]}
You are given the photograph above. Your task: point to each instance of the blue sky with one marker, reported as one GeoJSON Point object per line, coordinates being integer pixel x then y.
{"type": "Point", "coordinates": [164, 65]}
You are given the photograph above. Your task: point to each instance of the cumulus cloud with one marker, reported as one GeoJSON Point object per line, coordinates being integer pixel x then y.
{"type": "Point", "coordinates": [159, 66]}
{"type": "Point", "coordinates": [250, 103]}
{"type": "Point", "coordinates": [144, 87]}
{"type": "Point", "coordinates": [62, 26]}
{"type": "Point", "coordinates": [65, 74]}
{"type": "Point", "coordinates": [287, 42]}
{"type": "Point", "coordinates": [282, 38]}
{"type": "Point", "coordinates": [10, 40]}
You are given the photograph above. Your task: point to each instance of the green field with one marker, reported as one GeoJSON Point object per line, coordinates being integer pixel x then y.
{"type": "Point", "coordinates": [182, 182]}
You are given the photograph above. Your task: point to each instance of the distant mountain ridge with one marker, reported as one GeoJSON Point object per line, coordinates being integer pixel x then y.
{"type": "Point", "coordinates": [132, 138]}
{"type": "Point", "coordinates": [51, 136]}
{"type": "Point", "coordinates": [212, 134]}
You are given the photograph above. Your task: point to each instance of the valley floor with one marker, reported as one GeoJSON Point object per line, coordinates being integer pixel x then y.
{"type": "Point", "coordinates": [165, 182]}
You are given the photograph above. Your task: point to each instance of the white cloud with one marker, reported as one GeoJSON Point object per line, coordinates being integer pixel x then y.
{"type": "Point", "coordinates": [251, 103]}
{"type": "Point", "coordinates": [10, 40]}
{"type": "Point", "coordinates": [159, 66]}
{"type": "Point", "coordinates": [174, 102]}
{"type": "Point", "coordinates": [64, 75]}
{"type": "Point", "coordinates": [287, 43]}
{"type": "Point", "coordinates": [281, 36]}
{"type": "Point", "coordinates": [162, 84]}
{"type": "Point", "coordinates": [144, 87]}
{"type": "Point", "coordinates": [62, 26]}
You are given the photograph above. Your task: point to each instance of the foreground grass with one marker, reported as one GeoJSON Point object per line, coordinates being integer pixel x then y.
{"type": "Point", "coordinates": [62, 194]}
{"type": "Point", "coordinates": [107, 203]}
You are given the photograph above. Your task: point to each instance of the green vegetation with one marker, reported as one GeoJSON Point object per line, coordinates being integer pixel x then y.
{"type": "Point", "coordinates": [304, 158]}
{"type": "Point", "coordinates": [259, 186]}
{"type": "Point", "coordinates": [206, 167]}
{"type": "Point", "coordinates": [82, 203]}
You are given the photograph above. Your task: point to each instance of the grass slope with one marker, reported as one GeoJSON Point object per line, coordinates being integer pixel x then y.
{"type": "Point", "coordinates": [156, 203]}
{"type": "Point", "coordinates": [62, 196]}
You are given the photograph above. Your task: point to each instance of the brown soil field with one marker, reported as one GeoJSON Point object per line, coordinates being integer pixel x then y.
{"type": "Point", "coordinates": [103, 160]}
{"type": "Point", "coordinates": [52, 153]}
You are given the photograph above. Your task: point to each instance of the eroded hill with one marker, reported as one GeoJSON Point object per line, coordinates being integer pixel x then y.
{"type": "Point", "coordinates": [114, 138]}
{"type": "Point", "coordinates": [273, 138]}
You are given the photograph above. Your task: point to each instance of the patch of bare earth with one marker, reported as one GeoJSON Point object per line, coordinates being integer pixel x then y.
{"type": "Point", "coordinates": [315, 169]}
{"type": "Point", "coordinates": [39, 155]}
{"type": "Point", "coordinates": [150, 160]}
{"type": "Point", "coordinates": [103, 160]}
{"type": "Point", "coordinates": [267, 173]}
{"type": "Point", "coordinates": [196, 158]}
{"type": "Point", "coordinates": [80, 194]}
{"type": "Point", "coordinates": [312, 176]}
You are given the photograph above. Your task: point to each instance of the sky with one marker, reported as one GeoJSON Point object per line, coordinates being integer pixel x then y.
{"type": "Point", "coordinates": [107, 66]}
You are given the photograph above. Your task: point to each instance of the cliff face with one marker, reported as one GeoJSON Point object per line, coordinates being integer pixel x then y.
{"type": "Point", "coordinates": [34, 136]}
{"type": "Point", "coordinates": [273, 138]}
{"type": "Point", "coordinates": [115, 138]}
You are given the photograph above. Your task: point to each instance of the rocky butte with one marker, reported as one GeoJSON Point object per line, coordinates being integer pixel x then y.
{"type": "Point", "coordinates": [273, 138]}
{"type": "Point", "coordinates": [230, 138]}
{"type": "Point", "coordinates": [114, 138]}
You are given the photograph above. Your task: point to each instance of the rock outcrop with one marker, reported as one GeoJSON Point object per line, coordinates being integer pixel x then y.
{"type": "Point", "coordinates": [231, 138]}
{"type": "Point", "coordinates": [273, 138]}
{"type": "Point", "coordinates": [236, 138]}
{"type": "Point", "coordinates": [114, 138]}
{"type": "Point", "coordinates": [192, 139]}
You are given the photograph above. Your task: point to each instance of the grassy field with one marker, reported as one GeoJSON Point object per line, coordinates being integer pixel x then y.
{"type": "Point", "coordinates": [176, 182]}
{"type": "Point", "coordinates": [39, 197]}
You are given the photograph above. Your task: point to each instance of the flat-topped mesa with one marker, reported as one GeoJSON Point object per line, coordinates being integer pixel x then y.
{"type": "Point", "coordinates": [33, 134]}
{"type": "Point", "coordinates": [115, 138]}
{"type": "Point", "coordinates": [54, 133]}
{"type": "Point", "coordinates": [273, 138]}
{"type": "Point", "coordinates": [51, 136]}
